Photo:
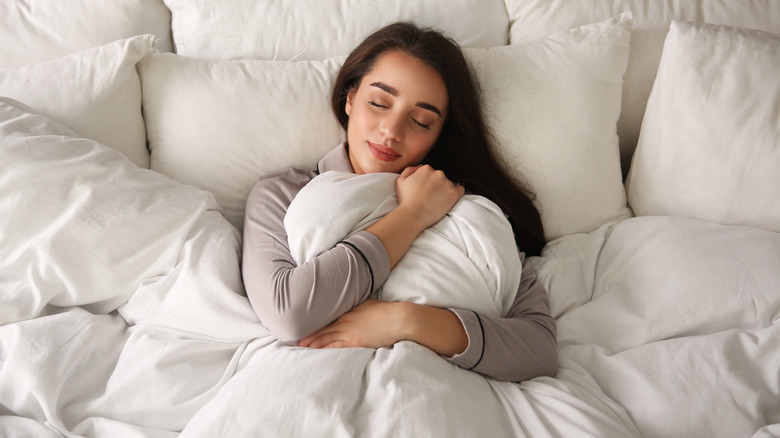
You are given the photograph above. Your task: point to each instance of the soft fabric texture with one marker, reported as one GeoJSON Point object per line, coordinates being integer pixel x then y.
{"type": "Point", "coordinates": [358, 266]}
{"type": "Point", "coordinates": [39, 30]}
{"type": "Point", "coordinates": [248, 29]}
{"type": "Point", "coordinates": [665, 316]}
{"type": "Point", "coordinates": [474, 236]}
{"type": "Point", "coordinates": [108, 273]}
{"type": "Point", "coordinates": [710, 142]}
{"type": "Point", "coordinates": [553, 105]}
{"type": "Point", "coordinates": [220, 125]}
{"type": "Point", "coordinates": [95, 92]}
{"type": "Point", "coordinates": [668, 326]}
{"type": "Point", "coordinates": [61, 232]}
{"type": "Point", "coordinates": [533, 19]}
{"type": "Point", "coordinates": [678, 323]}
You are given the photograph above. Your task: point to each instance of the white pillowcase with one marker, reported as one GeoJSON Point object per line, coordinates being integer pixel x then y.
{"type": "Point", "coordinates": [38, 30]}
{"type": "Point", "coordinates": [553, 104]}
{"type": "Point", "coordinates": [710, 142]}
{"type": "Point", "coordinates": [95, 92]}
{"type": "Point", "coordinates": [220, 125]}
{"type": "Point", "coordinates": [315, 30]}
{"type": "Point", "coordinates": [532, 19]}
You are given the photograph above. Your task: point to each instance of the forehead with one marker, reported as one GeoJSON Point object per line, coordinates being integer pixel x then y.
{"type": "Point", "coordinates": [411, 78]}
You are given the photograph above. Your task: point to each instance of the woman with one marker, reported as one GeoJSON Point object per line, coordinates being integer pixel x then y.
{"type": "Point", "coordinates": [410, 105]}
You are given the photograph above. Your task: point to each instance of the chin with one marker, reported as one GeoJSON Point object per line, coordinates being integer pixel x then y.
{"type": "Point", "coordinates": [382, 169]}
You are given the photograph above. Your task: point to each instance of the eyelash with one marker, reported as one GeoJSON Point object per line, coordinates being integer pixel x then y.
{"type": "Point", "coordinates": [421, 125]}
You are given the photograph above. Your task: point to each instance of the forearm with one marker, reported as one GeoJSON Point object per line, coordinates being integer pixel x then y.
{"type": "Point", "coordinates": [397, 231]}
{"type": "Point", "coordinates": [508, 349]}
{"type": "Point", "coordinates": [438, 329]}
{"type": "Point", "coordinates": [294, 301]}
{"type": "Point", "coordinates": [520, 346]}
{"type": "Point", "coordinates": [424, 196]}
{"type": "Point", "coordinates": [290, 300]}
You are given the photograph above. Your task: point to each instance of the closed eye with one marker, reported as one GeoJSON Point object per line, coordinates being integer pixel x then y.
{"type": "Point", "coordinates": [374, 104]}
{"type": "Point", "coordinates": [422, 125]}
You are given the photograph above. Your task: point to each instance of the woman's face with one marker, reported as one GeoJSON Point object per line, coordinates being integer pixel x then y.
{"type": "Point", "coordinates": [395, 114]}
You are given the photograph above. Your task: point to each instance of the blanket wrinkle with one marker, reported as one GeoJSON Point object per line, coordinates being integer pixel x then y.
{"type": "Point", "coordinates": [655, 348]}
{"type": "Point", "coordinates": [467, 260]}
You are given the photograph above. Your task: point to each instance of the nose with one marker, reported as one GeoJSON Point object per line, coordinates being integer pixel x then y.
{"type": "Point", "coordinates": [392, 127]}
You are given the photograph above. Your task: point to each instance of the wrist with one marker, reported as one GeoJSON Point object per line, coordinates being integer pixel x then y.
{"type": "Point", "coordinates": [415, 221]}
{"type": "Point", "coordinates": [397, 231]}
{"type": "Point", "coordinates": [408, 315]}
{"type": "Point", "coordinates": [438, 329]}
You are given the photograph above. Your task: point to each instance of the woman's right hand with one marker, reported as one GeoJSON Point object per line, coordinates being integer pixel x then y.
{"type": "Point", "coordinates": [426, 194]}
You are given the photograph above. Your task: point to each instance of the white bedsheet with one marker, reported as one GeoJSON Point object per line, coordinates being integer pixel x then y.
{"type": "Point", "coordinates": [123, 314]}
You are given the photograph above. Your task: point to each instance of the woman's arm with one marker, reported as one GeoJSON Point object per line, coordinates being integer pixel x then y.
{"type": "Point", "coordinates": [520, 346]}
{"type": "Point", "coordinates": [425, 196]}
{"type": "Point", "coordinates": [293, 301]}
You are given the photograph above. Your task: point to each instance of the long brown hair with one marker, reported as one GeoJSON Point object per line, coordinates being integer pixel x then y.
{"type": "Point", "coordinates": [465, 149]}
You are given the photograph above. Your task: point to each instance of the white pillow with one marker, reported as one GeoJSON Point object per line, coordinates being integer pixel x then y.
{"type": "Point", "coordinates": [553, 103]}
{"type": "Point", "coordinates": [94, 92]}
{"type": "Point", "coordinates": [532, 19]}
{"type": "Point", "coordinates": [38, 30]}
{"type": "Point", "coordinates": [311, 30]}
{"type": "Point", "coordinates": [710, 142]}
{"type": "Point", "coordinates": [220, 125]}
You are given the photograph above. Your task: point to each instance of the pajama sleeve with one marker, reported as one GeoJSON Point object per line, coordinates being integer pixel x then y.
{"type": "Point", "coordinates": [294, 301]}
{"type": "Point", "coordinates": [517, 347]}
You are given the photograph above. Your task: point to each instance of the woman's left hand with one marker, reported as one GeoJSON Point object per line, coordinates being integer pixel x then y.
{"type": "Point", "coordinates": [375, 324]}
{"type": "Point", "coordinates": [371, 324]}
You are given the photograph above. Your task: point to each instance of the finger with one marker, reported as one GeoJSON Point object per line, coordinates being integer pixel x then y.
{"type": "Point", "coordinates": [325, 340]}
{"type": "Point", "coordinates": [407, 172]}
{"type": "Point", "coordinates": [306, 342]}
{"type": "Point", "coordinates": [337, 344]}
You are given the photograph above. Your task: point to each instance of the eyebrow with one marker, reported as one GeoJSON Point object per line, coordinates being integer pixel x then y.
{"type": "Point", "coordinates": [392, 91]}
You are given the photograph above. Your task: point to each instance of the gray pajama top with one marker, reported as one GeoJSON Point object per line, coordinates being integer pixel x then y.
{"type": "Point", "coordinates": [294, 301]}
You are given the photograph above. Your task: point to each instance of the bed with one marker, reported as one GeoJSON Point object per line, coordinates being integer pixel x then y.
{"type": "Point", "coordinates": [131, 132]}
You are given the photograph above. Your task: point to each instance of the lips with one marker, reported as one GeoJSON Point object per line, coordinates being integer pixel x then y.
{"type": "Point", "coordinates": [382, 152]}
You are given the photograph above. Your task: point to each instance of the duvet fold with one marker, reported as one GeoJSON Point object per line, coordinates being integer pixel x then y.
{"type": "Point", "coordinates": [467, 260]}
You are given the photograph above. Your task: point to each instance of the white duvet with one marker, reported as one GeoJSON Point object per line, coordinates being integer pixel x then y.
{"type": "Point", "coordinates": [122, 313]}
{"type": "Point", "coordinates": [467, 260]}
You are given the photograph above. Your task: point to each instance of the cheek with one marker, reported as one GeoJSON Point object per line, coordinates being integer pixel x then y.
{"type": "Point", "coordinates": [355, 123]}
{"type": "Point", "coordinates": [359, 117]}
{"type": "Point", "coordinates": [421, 146]}
{"type": "Point", "coordinates": [424, 141]}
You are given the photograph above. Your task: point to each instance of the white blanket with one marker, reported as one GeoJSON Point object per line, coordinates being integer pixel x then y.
{"type": "Point", "coordinates": [677, 320]}
{"type": "Point", "coordinates": [123, 314]}
{"type": "Point", "coordinates": [467, 260]}
{"type": "Point", "coordinates": [121, 303]}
